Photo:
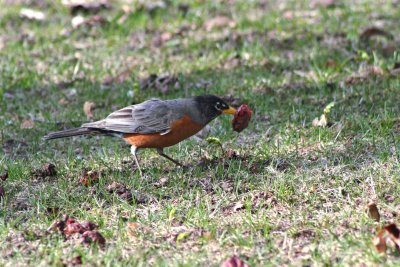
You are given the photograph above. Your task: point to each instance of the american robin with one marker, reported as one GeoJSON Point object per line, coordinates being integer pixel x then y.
{"type": "Point", "coordinates": [155, 123]}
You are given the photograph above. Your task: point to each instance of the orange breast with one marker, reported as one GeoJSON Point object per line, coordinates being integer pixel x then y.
{"type": "Point", "coordinates": [180, 130]}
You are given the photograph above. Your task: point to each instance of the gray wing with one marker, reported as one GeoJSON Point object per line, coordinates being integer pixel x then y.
{"type": "Point", "coordinates": [152, 116]}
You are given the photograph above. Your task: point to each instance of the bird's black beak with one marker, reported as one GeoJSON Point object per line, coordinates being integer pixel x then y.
{"type": "Point", "coordinates": [229, 110]}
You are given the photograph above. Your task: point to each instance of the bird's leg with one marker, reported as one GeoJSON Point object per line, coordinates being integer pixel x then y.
{"type": "Point", "coordinates": [161, 153]}
{"type": "Point", "coordinates": [133, 151]}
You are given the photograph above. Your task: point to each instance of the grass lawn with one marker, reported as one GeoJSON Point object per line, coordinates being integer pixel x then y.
{"type": "Point", "coordinates": [292, 189]}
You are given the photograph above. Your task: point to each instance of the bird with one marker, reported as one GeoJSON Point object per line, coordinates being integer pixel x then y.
{"type": "Point", "coordinates": [154, 123]}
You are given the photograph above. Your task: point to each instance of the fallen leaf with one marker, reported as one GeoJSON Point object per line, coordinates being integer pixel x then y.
{"type": "Point", "coordinates": [4, 176]}
{"type": "Point", "coordinates": [89, 237]}
{"type": "Point", "coordinates": [390, 233]}
{"type": "Point", "coordinates": [374, 31]}
{"type": "Point", "coordinates": [234, 261]}
{"type": "Point", "coordinates": [132, 228]}
{"type": "Point", "coordinates": [73, 228]}
{"type": "Point", "coordinates": [121, 190]}
{"type": "Point", "coordinates": [162, 83]}
{"type": "Point", "coordinates": [394, 233]}
{"type": "Point", "coordinates": [63, 101]}
{"type": "Point", "coordinates": [88, 225]}
{"type": "Point", "coordinates": [92, 6]}
{"type": "Point", "coordinates": [373, 212]}
{"type": "Point", "coordinates": [161, 38]}
{"type": "Point", "coordinates": [238, 206]}
{"type": "Point", "coordinates": [77, 260]}
{"type": "Point", "coordinates": [27, 124]}
{"type": "Point", "coordinates": [380, 241]}
{"type": "Point", "coordinates": [321, 122]}
{"type": "Point", "coordinates": [218, 22]}
{"type": "Point", "coordinates": [121, 77]}
{"type": "Point", "coordinates": [88, 178]}
{"type": "Point", "coordinates": [163, 181]}
{"type": "Point", "coordinates": [241, 118]}
{"type": "Point", "coordinates": [47, 170]}
{"type": "Point", "coordinates": [92, 21]}
{"type": "Point", "coordinates": [32, 14]}
{"type": "Point", "coordinates": [88, 109]}
{"type": "Point", "coordinates": [364, 75]}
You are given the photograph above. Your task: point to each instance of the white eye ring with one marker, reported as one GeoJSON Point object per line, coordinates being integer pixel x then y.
{"type": "Point", "coordinates": [217, 106]}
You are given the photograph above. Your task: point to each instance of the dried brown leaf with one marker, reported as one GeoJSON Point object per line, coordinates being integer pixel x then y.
{"type": "Point", "coordinates": [394, 234]}
{"type": "Point", "coordinates": [234, 261]}
{"type": "Point", "coordinates": [374, 31]}
{"type": "Point", "coordinates": [238, 206]}
{"type": "Point", "coordinates": [88, 109]}
{"type": "Point", "coordinates": [47, 170]}
{"type": "Point", "coordinates": [162, 83]}
{"type": "Point", "coordinates": [27, 124]}
{"type": "Point", "coordinates": [321, 122]}
{"type": "Point", "coordinates": [88, 178]}
{"type": "Point", "coordinates": [373, 212]}
{"type": "Point", "coordinates": [380, 241]}
{"type": "Point", "coordinates": [132, 228]}
{"type": "Point", "coordinates": [73, 228]}
{"type": "Point", "coordinates": [89, 237]}
{"type": "Point", "coordinates": [241, 118]}
{"type": "Point", "coordinates": [218, 22]}
{"type": "Point", "coordinates": [373, 71]}
{"type": "Point", "coordinates": [74, 261]}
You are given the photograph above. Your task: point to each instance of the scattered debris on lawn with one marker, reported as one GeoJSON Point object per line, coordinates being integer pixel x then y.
{"type": "Point", "coordinates": [219, 22]}
{"type": "Point", "coordinates": [4, 176]}
{"type": "Point", "coordinates": [389, 235]}
{"type": "Point", "coordinates": [162, 83]}
{"type": "Point", "coordinates": [92, 21]}
{"type": "Point", "coordinates": [88, 6]}
{"type": "Point", "coordinates": [121, 77]}
{"type": "Point", "coordinates": [88, 178]}
{"type": "Point", "coordinates": [163, 181]}
{"type": "Point", "coordinates": [242, 118]}
{"type": "Point", "coordinates": [77, 260]}
{"type": "Point", "coordinates": [31, 14]}
{"type": "Point", "coordinates": [363, 75]}
{"type": "Point", "coordinates": [373, 212]}
{"type": "Point", "coordinates": [121, 190]}
{"type": "Point", "coordinates": [88, 107]}
{"type": "Point", "coordinates": [89, 237]}
{"type": "Point", "coordinates": [234, 261]}
{"type": "Point", "coordinates": [374, 31]}
{"type": "Point", "coordinates": [160, 39]}
{"type": "Point", "coordinates": [47, 170]}
{"type": "Point", "coordinates": [85, 230]}
{"type": "Point", "coordinates": [27, 124]}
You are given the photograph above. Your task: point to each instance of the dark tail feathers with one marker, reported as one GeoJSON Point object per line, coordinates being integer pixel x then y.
{"type": "Point", "coordinates": [68, 133]}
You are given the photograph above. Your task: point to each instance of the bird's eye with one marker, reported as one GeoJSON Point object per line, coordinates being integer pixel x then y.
{"type": "Point", "coordinates": [218, 106]}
